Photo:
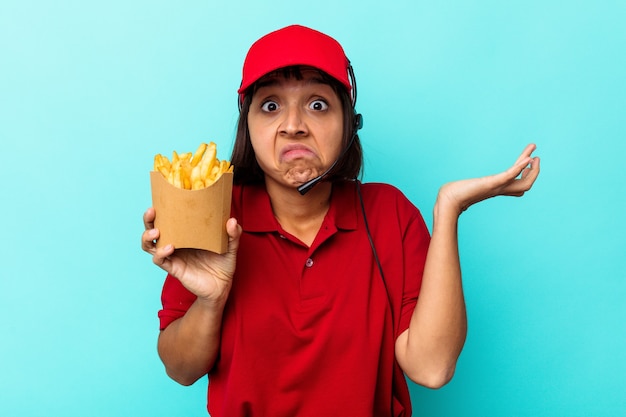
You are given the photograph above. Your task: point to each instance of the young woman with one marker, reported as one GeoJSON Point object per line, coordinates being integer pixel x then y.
{"type": "Point", "coordinates": [332, 291]}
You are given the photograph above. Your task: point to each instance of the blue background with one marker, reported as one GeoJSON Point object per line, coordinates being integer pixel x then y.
{"type": "Point", "coordinates": [90, 91]}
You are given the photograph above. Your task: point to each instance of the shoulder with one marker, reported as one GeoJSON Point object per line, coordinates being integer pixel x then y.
{"type": "Point", "coordinates": [386, 196]}
{"type": "Point", "coordinates": [388, 206]}
{"type": "Point", "coordinates": [380, 188]}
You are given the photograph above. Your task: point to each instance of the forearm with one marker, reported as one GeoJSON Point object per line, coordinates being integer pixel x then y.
{"type": "Point", "coordinates": [189, 346]}
{"type": "Point", "coordinates": [429, 349]}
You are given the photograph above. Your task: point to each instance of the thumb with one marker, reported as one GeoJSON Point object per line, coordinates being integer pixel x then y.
{"type": "Point", "coordinates": [234, 231]}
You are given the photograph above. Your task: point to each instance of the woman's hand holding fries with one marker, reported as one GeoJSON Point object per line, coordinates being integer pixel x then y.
{"type": "Point", "coordinates": [206, 274]}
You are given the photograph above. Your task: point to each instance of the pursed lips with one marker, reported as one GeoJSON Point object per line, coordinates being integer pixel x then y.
{"type": "Point", "coordinates": [295, 151]}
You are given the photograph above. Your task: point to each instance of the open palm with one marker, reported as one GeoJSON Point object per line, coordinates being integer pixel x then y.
{"type": "Point", "coordinates": [515, 181]}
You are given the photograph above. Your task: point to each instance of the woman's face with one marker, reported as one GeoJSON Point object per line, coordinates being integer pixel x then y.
{"type": "Point", "coordinates": [295, 126]}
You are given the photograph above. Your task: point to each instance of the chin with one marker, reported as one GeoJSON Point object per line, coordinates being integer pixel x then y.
{"type": "Point", "coordinates": [299, 177]}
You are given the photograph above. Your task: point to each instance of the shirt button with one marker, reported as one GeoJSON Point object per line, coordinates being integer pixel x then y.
{"type": "Point", "coordinates": [309, 263]}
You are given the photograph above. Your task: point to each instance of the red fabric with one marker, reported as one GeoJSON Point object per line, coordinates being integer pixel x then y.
{"type": "Point", "coordinates": [307, 331]}
{"type": "Point", "coordinates": [294, 45]}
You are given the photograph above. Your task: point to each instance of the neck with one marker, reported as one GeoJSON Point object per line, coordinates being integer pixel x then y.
{"type": "Point", "coordinates": [300, 215]}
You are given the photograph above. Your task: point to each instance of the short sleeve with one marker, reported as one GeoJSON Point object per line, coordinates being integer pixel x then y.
{"type": "Point", "coordinates": [175, 299]}
{"type": "Point", "coordinates": [415, 244]}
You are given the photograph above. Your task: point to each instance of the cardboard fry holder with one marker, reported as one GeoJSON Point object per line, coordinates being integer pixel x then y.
{"type": "Point", "coordinates": [192, 218]}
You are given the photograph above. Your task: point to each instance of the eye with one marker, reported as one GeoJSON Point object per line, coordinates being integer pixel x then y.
{"type": "Point", "coordinates": [318, 105]}
{"type": "Point", "coordinates": [269, 106]}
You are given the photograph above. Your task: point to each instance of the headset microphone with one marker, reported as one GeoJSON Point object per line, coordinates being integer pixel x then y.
{"type": "Point", "coordinates": [306, 187]}
{"type": "Point", "coordinates": [358, 124]}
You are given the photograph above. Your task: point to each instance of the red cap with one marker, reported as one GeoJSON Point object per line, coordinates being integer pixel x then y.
{"type": "Point", "coordinates": [295, 45]}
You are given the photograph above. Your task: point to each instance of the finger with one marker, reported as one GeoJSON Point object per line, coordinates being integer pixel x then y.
{"type": "Point", "coordinates": [523, 161]}
{"type": "Point", "coordinates": [531, 173]}
{"type": "Point", "coordinates": [148, 218]}
{"type": "Point", "coordinates": [532, 169]}
{"type": "Point", "coordinates": [525, 183]}
{"type": "Point", "coordinates": [528, 150]}
{"type": "Point", "coordinates": [148, 238]}
{"type": "Point", "coordinates": [510, 175]}
{"type": "Point", "coordinates": [161, 257]}
{"type": "Point", "coordinates": [234, 231]}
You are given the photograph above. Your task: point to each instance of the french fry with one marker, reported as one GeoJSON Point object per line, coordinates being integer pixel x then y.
{"type": "Point", "coordinates": [224, 166]}
{"type": "Point", "coordinates": [178, 181]}
{"type": "Point", "coordinates": [161, 164]}
{"type": "Point", "coordinates": [185, 156]}
{"type": "Point", "coordinates": [192, 171]}
{"type": "Point", "coordinates": [199, 154]}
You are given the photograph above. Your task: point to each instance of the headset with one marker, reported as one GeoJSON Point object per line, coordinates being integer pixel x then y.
{"type": "Point", "coordinates": [358, 124]}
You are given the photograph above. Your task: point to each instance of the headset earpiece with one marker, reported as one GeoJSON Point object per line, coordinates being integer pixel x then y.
{"type": "Point", "coordinates": [358, 121]}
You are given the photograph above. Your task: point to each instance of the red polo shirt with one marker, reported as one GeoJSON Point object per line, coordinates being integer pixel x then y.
{"type": "Point", "coordinates": [307, 331]}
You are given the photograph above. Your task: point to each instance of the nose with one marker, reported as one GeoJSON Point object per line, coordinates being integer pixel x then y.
{"type": "Point", "coordinates": [293, 123]}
